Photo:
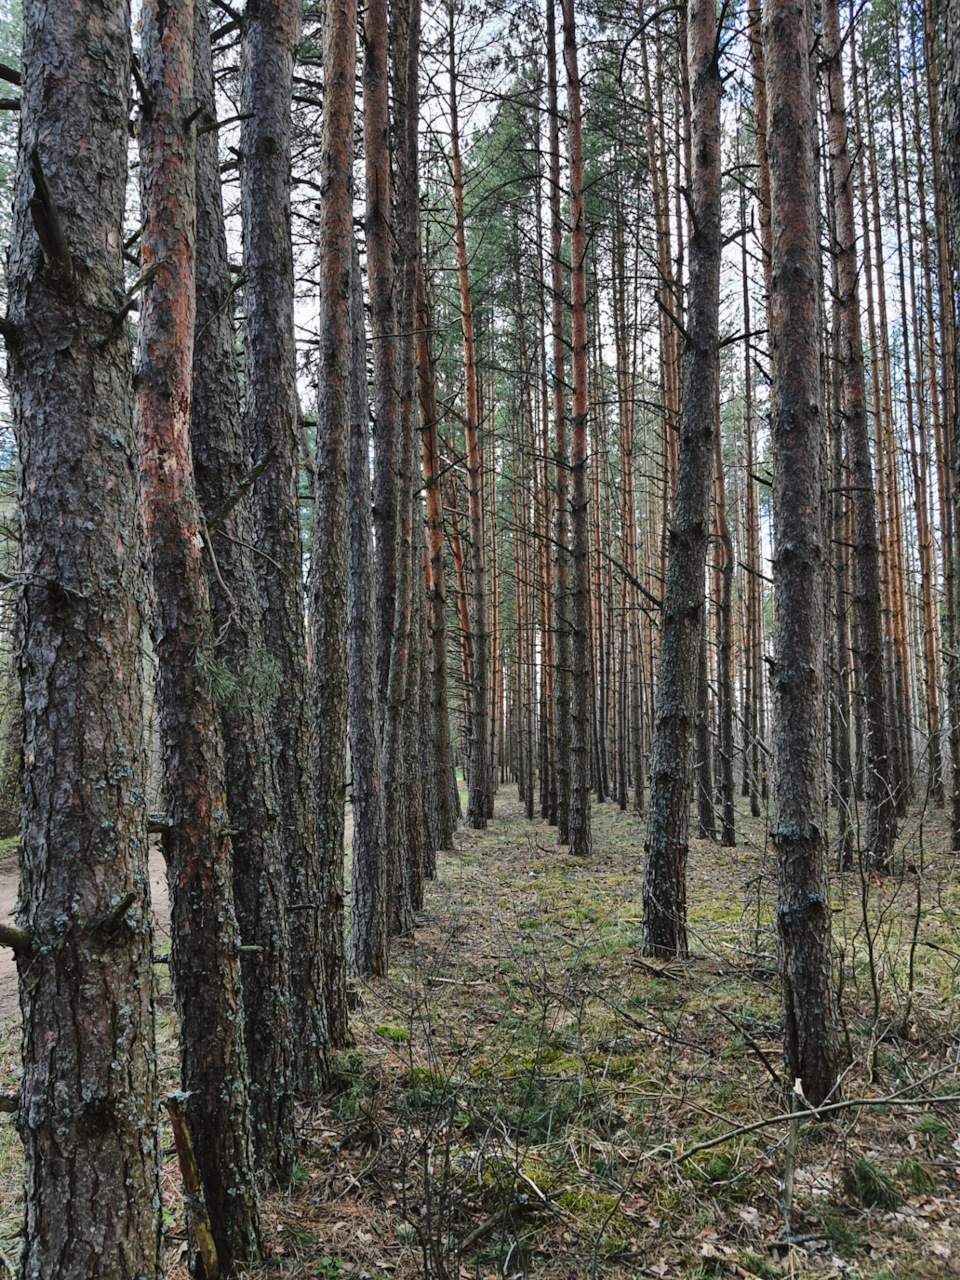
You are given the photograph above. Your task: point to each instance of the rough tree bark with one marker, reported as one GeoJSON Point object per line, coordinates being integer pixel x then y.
{"type": "Point", "coordinates": [383, 319]}
{"type": "Point", "coordinates": [951, 183]}
{"type": "Point", "coordinates": [270, 30]}
{"type": "Point", "coordinates": [800, 825]}
{"type": "Point", "coordinates": [446, 782]}
{"type": "Point", "coordinates": [391, 513]}
{"type": "Point", "coordinates": [404, 781]}
{"type": "Point", "coordinates": [328, 560]}
{"type": "Point", "coordinates": [369, 938]}
{"type": "Point", "coordinates": [581, 683]}
{"type": "Point", "coordinates": [222, 466]}
{"type": "Point", "coordinates": [665, 860]}
{"type": "Point", "coordinates": [725, 567]}
{"type": "Point", "coordinates": [204, 961]}
{"type": "Point", "coordinates": [880, 819]}
{"type": "Point", "coordinates": [88, 1111]}
{"type": "Point", "coordinates": [561, 605]}
{"type": "Point", "coordinates": [480, 783]}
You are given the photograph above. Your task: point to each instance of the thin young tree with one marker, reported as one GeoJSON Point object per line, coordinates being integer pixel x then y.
{"type": "Point", "coordinates": [799, 832]}
{"type": "Point", "coordinates": [665, 849]}
{"type": "Point", "coordinates": [88, 1093]}
{"type": "Point", "coordinates": [204, 957]}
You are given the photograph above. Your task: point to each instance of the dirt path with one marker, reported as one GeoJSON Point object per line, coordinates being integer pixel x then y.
{"type": "Point", "coordinates": [9, 887]}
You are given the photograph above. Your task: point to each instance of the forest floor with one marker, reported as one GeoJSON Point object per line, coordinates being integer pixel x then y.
{"type": "Point", "coordinates": [525, 1091]}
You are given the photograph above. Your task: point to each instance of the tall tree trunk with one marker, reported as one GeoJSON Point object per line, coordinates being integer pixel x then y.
{"type": "Point", "coordinates": [800, 827]}
{"type": "Point", "coordinates": [328, 559]}
{"type": "Point", "coordinates": [88, 1103]}
{"type": "Point", "coordinates": [581, 683]}
{"type": "Point", "coordinates": [919, 456]}
{"type": "Point", "coordinates": [408, 768]}
{"type": "Point", "coordinates": [881, 822]}
{"type": "Point", "coordinates": [561, 618]}
{"type": "Point", "coordinates": [383, 319]}
{"type": "Point", "coordinates": [754, 593]}
{"type": "Point", "coordinates": [665, 850]}
{"type": "Point", "coordinates": [840, 701]}
{"type": "Point", "coordinates": [946, 442]}
{"type": "Point", "coordinates": [391, 508]}
{"type": "Point", "coordinates": [204, 961]}
{"type": "Point", "coordinates": [481, 790]}
{"type": "Point", "coordinates": [446, 782]}
{"type": "Point", "coordinates": [271, 29]}
{"type": "Point", "coordinates": [951, 186]}
{"type": "Point", "coordinates": [369, 938]}
{"type": "Point", "coordinates": [222, 465]}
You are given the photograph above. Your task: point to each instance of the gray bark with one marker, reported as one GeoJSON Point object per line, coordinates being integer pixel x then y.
{"type": "Point", "coordinates": [328, 560]}
{"type": "Point", "coordinates": [665, 861]}
{"type": "Point", "coordinates": [88, 1113]}
{"type": "Point", "coordinates": [369, 939]}
{"type": "Point", "coordinates": [797, 428]}
{"type": "Point", "coordinates": [222, 464]}
{"type": "Point", "coordinates": [271, 29]}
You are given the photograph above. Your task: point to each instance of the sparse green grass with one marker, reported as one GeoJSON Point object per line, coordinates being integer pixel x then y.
{"type": "Point", "coordinates": [864, 1180]}
{"type": "Point", "coordinates": [524, 1065]}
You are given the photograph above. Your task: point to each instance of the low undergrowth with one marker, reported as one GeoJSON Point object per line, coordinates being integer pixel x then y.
{"type": "Point", "coordinates": [525, 1091]}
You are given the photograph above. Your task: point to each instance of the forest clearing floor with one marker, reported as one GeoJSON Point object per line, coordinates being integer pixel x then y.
{"type": "Point", "coordinates": [524, 1088]}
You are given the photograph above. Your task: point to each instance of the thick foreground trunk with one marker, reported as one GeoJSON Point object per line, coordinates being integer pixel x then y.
{"type": "Point", "coordinates": [88, 1113]}
{"type": "Point", "coordinates": [800, 827]}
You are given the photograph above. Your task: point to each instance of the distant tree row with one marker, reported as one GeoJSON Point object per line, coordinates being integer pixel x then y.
{"type": "Point", "coordinates": [616, 457]}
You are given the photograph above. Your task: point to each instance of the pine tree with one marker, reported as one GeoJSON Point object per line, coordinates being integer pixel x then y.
{"type": "Point", "coordinates": [204, 958]}
{"type": "Point", "coordinates": [665, 851]}
{"type": "Point", "coordinates": [88, 1092]}
{"type": "Point", "coordinates": [797, 428]}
